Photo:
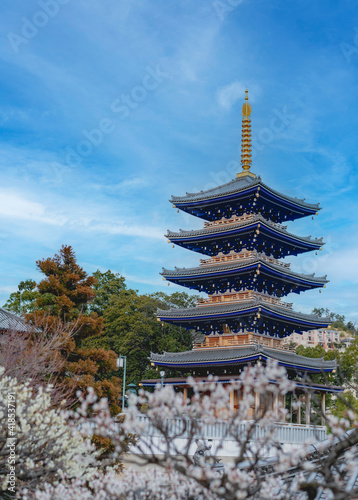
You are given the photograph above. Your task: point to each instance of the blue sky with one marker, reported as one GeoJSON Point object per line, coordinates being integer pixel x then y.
{"type": "Point", "coordinates": [158, 86]}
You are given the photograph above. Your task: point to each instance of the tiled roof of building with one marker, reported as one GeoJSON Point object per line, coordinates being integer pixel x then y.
{"type": "Point", "coordinates": [231, 308]}
{"type": "Point", "coordinates": [256, 219]}
{"type": "Point", "coordinates": [11, 321]}
{"type": "Point", "coordinates": [227, 378]}
{"type": "Point", "coordinates": [231, 266]}
{"type": "Point", "coordinates": [200, 357]}
{"type": "Point", "coordinates": [235, 186]}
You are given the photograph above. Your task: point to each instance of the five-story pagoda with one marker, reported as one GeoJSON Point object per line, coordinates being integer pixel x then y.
{"type": "Point", "coordinates": [244, 317]}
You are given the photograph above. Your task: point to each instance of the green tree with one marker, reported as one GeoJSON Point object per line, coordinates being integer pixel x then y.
{"type": "Point", "coordinates": [106, 286]}
{"type": "Point", "coordinates": [129, 319]}
{"type": "Point", "coordinates": [319, 352]}
{"type": "Point", "coordinates": [132, 329]}
{"type": "Point", "coordinates": [64, 295]}
{"type": "Point", "coordinates": [24, 299]}
{"type": "Point", "coordinates": [343, 403]}
{"type": "Point", "coordinates": [349, 363]}
{"type": "Point", "coordinates": [320, 311]}
{"type": "Point", "coordinates": [311, 352]}
{"type": "Point", "coordinates": [338, 321]}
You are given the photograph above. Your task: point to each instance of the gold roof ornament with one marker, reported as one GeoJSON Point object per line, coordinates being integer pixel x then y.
{"type": "Point", "coordinates": [246, 108]}
{"type": "Point", "coordinates": [246, 156]}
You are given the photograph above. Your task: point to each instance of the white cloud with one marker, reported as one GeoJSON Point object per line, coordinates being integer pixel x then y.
{"type": "Point", "coordinates": [145, 281]}
{"type": "Point", "coordinates": [130, 184]}
{"type": "Point", "coordinates": [227, 96]}
{"type": "Point", "coordinates": [16, 206]}
{"type": "Point", "coordinates": [7, 289]}
{"type": "Point", "coordinates": [122, 228]}
{"type": "Point", "coordinates": [13, 114]}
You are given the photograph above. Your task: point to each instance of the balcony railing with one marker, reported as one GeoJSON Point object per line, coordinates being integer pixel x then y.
{"type": "Point", "coordinates": [283, 432]}
{"type": "Point", "coordinates": [223, 342]}
{"type": "Point", "coordinates": [242, 297]}
{"type": "Point", "coordinates": [236, 219]}
{"type": "Point", "coordinates": [245, 255]}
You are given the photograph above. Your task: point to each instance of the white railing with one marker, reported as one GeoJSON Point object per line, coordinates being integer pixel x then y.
{"type": "Point", "coordinates": [284, 432]}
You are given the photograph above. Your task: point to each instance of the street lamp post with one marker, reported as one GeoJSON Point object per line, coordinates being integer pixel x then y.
{"type": "Point", "coordinates": [162, 373]}
{"type": "Point", "coordinates": [122, 363]}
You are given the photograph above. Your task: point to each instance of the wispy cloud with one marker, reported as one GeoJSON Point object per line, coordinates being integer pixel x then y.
{"type": "Point", "coordinates": [16, 206]}
{"type": "Point", "coordinates": [155, 281]}
{"type": "Point", "coordinates": [228, 95]}
{"type": "Point", "coordinates": [112, 207]}
{"type": "Point", "coordinates": [125, 186]}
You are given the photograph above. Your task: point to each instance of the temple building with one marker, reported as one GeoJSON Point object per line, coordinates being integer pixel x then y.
{"type": "Point", "coordinates": [245, 318]}
{"type": "Point", "coordinates": [12, 322]}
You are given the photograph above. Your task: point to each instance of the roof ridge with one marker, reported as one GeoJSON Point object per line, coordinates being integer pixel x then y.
{"type": "Point", "coordinates": [202, 195]}
{"type": "Point", "coordinates": [234, 354]}
{"type": "Point", "coordinates": [211, 230]}
{"type": "Point", "coordinates": [241, 263]}
{"type": "Point", "coordinates": [227, 308]}
{"type": "Point", "coordinates": [233, 181]}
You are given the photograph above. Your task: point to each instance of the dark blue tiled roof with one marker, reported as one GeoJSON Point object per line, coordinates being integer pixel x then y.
{"type": "Point", "coordinates": [257, 219]}
{"type": "Point", "coordinates": [231, 266]}
{"type": "Point", "coordinates": [236, 186]}
{"type": "Point", "coordinates": [232, 355]}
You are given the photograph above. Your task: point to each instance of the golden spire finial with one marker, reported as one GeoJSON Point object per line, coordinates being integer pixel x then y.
{"type": "Point", "coordinates": [246, 156]}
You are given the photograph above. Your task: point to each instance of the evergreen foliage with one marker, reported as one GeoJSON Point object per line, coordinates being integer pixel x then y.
{"type": "Point", "coordinates": [62, 298]}
{"type": "Point", "coordinates": [24, 299]}
{"type": "Point", "coordinates": [338, 320]}
{"type": "Point", "coordinates": [109, 319]}
{"type": "Point", "coordinates": [131, 327]}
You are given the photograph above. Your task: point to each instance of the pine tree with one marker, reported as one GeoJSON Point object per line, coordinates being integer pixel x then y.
{"type": "Point", "coordinates": [64, 297]}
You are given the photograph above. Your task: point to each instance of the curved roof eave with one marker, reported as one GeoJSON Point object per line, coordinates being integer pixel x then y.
{"type": "Point", "coordinates": [222, 269]}
{"type": "Point", "coordinates": [226, 310]}
{"type": "Point", "coordinates": [239, 354]}
{"type": "Point", "coordinates": [225, 230]}
{"type": "Point", "coordinates": [239, 186]}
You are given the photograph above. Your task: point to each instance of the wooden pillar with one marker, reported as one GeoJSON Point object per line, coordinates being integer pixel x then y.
{"type": "Point", "coordinates": [232, 401]}
{"type": "Point", "coordinates": [308, 408]}
{"type": "Point", "coordinates": [185, 394]}
{"type": "Point", "coordinates": [323, 407]}
{"type": "Point", "coordinates": [299, 411]}
{"type": "Point", "coordinates": [257, 404]}
{"type": "Point", "coordinates": [239, 398]}
{"type": "Point", "coordinates": [275, 405]}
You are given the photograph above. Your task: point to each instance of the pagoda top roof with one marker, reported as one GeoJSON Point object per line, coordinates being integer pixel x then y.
{"type": "Point", "coordinates": [238, 185]}
{"type": "Point", "coordinates": [233, 355]}
{"type": "Point", "coordinates": [231, 266]}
